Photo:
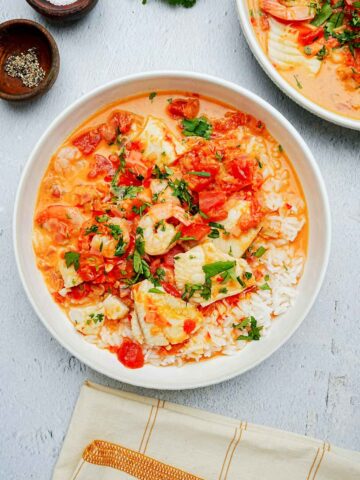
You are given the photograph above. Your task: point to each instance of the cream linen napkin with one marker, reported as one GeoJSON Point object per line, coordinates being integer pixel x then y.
{"type": "Point", "coordinates": [115, 435]}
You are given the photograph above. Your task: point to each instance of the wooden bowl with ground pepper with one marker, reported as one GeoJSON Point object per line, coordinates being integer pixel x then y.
{"type": "Point", "coordinates": [29, 60]}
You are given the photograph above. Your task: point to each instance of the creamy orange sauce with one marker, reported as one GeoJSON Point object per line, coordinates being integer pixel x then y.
{"type": "Point", "coordinates": [332, 88]}
{"type": "Point", "coordinates": [70, 201]}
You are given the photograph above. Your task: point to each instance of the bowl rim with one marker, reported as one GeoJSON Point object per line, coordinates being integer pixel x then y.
{"type": "Point", "coordinates": [187, 75]}
{"type": "Point", "coordinates": [55, 61]}
{"type": "Point", "coordinates": [46, 8]}
{"type": "Point", "coordinates": [280, 82]}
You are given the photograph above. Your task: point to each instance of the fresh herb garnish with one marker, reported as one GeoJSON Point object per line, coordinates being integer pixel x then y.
{"type": "Point", "coordinates": [140, 210]}
{"type": "Point", "coordinates": [254, 331]}
{"type": "Point", "coordinates": [72, 258]}
{"type": "Point", "coordinates": [152, 96]}
{"type": "Point", "coordinates": [213, 269]}
{"type": "Point", "coordinates": [214, 233]}
{"type": "Point", "coordinates": [321, 17]}
{"type": "Point", "coordinates": [102, 218]}
{"type": "Point", "coordinates": [322, 53]}
{"type": "Point", "coordinates": [97, 317]}
{"type": "Point", "coordinates": [260, 252]}
{"type": "Point", "coordinates": [115, 230]}
{"type": "Point", "coordinates": [92, 229]}
{"type": "Point", "coordinates": [200, 174]}
{"type": "Point", "coordinates": [162, 175]}
{"type": "Point", "coordinates": [197, 127]}
{"type": "Point", "coordinates": [177, 3]}
{"type": "Point", "coordinates": [298, 84]}
{"type": "Point", "coordinates": [156, 290]}
{"type": "Point", "coordinates": [203, 289]}
{"type": "Point", "coordinates": [181, 191]}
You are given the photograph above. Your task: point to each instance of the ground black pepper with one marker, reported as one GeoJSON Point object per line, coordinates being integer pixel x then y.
{"type": "Point", "coordinates": [25, 66]}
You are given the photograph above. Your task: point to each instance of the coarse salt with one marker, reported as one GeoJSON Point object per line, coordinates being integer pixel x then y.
{"type": "Point", "coordinates": [61, 3]}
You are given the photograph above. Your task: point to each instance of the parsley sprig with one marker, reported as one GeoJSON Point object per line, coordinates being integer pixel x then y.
{"type": "Point", "coordinates": [197, 127]}
{"type": "Point", "coordinates": [254, 332]}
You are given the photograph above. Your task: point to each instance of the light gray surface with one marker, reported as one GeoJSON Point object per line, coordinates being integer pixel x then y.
{"type": "Point", "coordinates": [312, 385]}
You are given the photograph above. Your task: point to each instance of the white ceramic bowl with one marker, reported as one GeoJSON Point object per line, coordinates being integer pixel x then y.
{"type": "Point", "coordinates": [284, 86]}
{"type": "Point", "coordinates": [196, 374]}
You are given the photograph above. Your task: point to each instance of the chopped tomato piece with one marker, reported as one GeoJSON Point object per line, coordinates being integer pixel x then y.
{"type": "Point", "coordinates": [87, 142]}
{"type": "Point", "coordinates": [135, 164]}
{"type": "Point", "coordinates": [130, 354]}
{"type": "Point", "coordinates": [169, 256]}
{"type": "Point", "coordinates": [196, 230]}
{"type": "Point", "coordinates": [199, 183]}
{"type": "Point", "coordinates": [231, 121]}
{"type": "Point", "coordinates": [242, 168]}
{"type": "Point", "coordinates": [212, 203]}
{"type": "Point", "coordinates": [309, 35]}
{"type": "Point", "coordinates": [253, 219]}
{"type": "Point", "coordinates": [130, 207]}
{"type": "Point", "coordinates": [189, 326]}
{"type": "Point", "coordinates": [108, 132]}
{"type": "Point", "coordinates": [121, 121]}
{"type": "Point", "coordinates": [183, 108]}
{"type": "Point", "coordinates": [101, 166]}
{"type": "Point", "coordinates": [91, 266]}
{"type": "Point", "coordinates": [79, 292]}
{"type": "Point", "coordinates": [170, 289]}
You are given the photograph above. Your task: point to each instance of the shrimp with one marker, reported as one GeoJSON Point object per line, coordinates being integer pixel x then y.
{"type": "Point", "coordinates": [161, 192]}
{"type": "Point", "coordinates": [158, 234]}
{"type": "Point", "coordinates": [60, 221]}
{"type": "Point", "coordinates": [281, 9]}
{"type": "Point", "coordinates": [119, 237]}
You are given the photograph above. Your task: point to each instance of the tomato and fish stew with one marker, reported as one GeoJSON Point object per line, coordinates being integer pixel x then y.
{"type": "Point", "coordinates": [171, 228]}
{"type": "Point", "coordinates": [315, 46]}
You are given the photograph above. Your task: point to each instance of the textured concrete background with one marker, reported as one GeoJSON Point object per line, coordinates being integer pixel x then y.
{"type": "Point", "coordinates": [312, 385]}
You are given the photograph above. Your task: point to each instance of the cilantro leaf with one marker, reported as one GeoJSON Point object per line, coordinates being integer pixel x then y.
{"type": "Point", "coordinates": [254, 333]}
{"type": "Point", "coordinates": [72, 258]}
{"type": "Point", "coordinates": [197, 127]}
{"type": "Point", "coordinates": [213, 269]}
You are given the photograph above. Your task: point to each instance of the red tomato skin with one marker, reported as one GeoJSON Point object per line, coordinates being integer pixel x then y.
{"type": "Point", "coordinates": [170, 289]}
{"type": "Point", "coordinates": [130, 354]}
{"type": "Point", "coordinates": [101, 166]}
{"type": "Point", "coordinates": [87, 142]}
{"type": "Point", "coordinates": [169, 256]}
{"type": "Point", "coordinates": [91, 266]}
{"type": "Point", "coordinates": [308, 35]}
{"type": "Point", "coordinates": [107, 132]}
{"type": "Point", "coordinates": [79, 292]}
{"type": "Point", "coordinates": [189, 326]}
{"type": "Point", "coordinates": [211, 203]}
{"type": "Point", "coordinates": [242, 169]}
{"type": "Point", "coordinates": [120, 120]}
{"type": "Point", "coordinates": [183, 108]}
{"type": "Point", "coordinates": [196, 230]}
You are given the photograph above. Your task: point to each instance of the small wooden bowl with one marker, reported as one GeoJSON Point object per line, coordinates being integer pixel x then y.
{"type": "Point", "coordinates": [17, 36]}
{"type": "Point", "coordinates": [60, 13]}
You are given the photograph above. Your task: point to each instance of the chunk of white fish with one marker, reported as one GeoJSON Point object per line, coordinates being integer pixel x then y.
{"type": "Point", "coordinates": [159, 319]}
{"type": "Point", "coordinates": [160, 144]}
{"type": "Point", "coordinates": [189, 272]}
{"type": "Point", "coordinates": [284, 51]}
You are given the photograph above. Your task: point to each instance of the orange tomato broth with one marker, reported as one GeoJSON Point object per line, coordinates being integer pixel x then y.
{"type": "Point", "coordinates": [336, 87]}
{"type": "Point", "coordinates": [47, 248]}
